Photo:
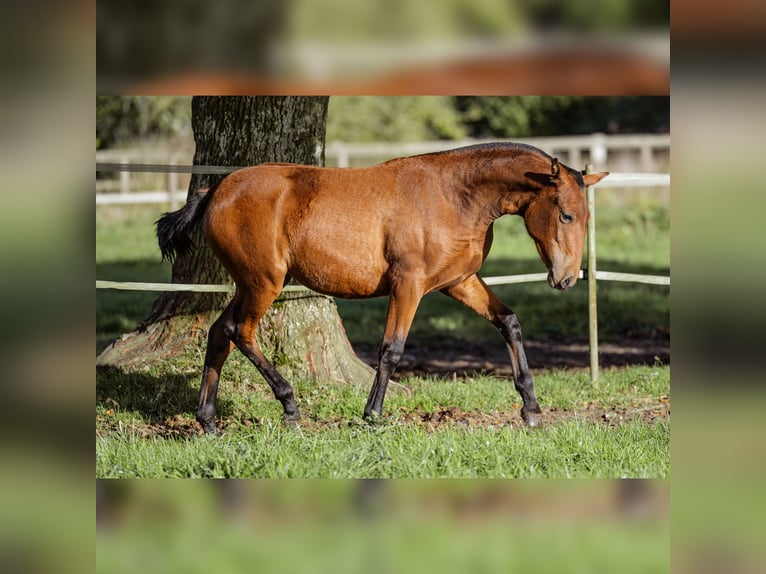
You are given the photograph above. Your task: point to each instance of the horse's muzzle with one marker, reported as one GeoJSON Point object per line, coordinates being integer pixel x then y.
{"type": "Point", "coordinates": [563, 284]}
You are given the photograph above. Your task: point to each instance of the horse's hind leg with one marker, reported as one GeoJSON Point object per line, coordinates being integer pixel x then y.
{"type": "Point", "coordinates": [219, 346]}
{"type": "Point", "coordinates": [247, 315]}
{"type": "Point", "coordinates": [475, 295]}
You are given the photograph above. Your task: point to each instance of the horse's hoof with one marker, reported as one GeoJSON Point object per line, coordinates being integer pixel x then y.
{"type": "Point", "coordinates": [209, 427]}
{"type": "Point", "coordinates": [373, 418]}
{"type": "Point", "coordinates": [533, 420]}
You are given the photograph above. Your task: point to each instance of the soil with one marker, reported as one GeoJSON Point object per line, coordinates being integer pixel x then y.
{"type": "Point", "coordinates": [648, 411]}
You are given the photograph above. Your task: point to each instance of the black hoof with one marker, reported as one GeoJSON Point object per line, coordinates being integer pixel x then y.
{"type": "Point", "coordinates": [533, 419]}
{"type": "Point", "coordinates": [209, 427]}
{"type": "Point", "coordinates": [373, 418]}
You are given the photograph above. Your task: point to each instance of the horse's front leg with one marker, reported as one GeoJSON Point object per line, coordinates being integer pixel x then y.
{"type": "Point", "coordinates": [401, 311]}
{"type": "Point", "coordinates": [475, 295]}
{"type": "Point", "coordinates": [509, 327]}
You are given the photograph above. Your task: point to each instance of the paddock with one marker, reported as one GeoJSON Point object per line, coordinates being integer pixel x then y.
{"type": "Point", "coordinates": [142, 417]}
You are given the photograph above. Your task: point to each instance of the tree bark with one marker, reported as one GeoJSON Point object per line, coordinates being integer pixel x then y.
{"type": "Point", "coordinates": [302, 332]}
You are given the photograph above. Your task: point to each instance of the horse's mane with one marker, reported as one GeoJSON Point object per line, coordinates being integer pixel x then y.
{"type": "Point", "coordinates": [502, 147]}
{"type": "Point", "coordinates": [499, 147]}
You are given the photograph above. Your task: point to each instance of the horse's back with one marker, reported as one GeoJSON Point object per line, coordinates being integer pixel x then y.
{"type": "Point", "coordinates": [325, 226]}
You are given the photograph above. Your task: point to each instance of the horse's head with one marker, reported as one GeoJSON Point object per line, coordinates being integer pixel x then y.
{"type": "Point", "coordinates": [557, 218]}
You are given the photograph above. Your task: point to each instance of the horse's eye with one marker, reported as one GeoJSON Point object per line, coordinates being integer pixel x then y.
{"type": "Point", "coordinates": [566, 218]}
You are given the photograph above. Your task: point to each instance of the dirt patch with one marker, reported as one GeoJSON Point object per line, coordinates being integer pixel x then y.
{"type": "Point", "coordinates": [176, 426]}
{"type": "Point", "coordinates": [612, 417]}
{"type": "Point", "coordinates": [648, 411]}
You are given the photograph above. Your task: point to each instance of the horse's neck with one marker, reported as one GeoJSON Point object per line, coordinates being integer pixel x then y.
{"type": "Point", "coordinates": [499, 190]}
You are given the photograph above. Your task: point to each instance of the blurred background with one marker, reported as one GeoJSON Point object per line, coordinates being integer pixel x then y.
{"type": "Point", "coordinates": [384, 47]}
{"type": "Point", "coordinates": [718, 122]}
{"type": "Point", "coordinates": [402, 526]}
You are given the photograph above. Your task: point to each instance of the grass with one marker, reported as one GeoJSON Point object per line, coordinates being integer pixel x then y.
{"type": "Point", "coordinates": [568, 450]}
{"type": "Point", "coordinates": [134, 409]}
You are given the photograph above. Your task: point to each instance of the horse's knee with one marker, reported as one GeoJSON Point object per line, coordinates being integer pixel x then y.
{"type": "Point", "coordinates": [510, 328]}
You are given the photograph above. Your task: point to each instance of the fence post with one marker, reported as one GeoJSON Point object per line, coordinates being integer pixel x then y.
{"type": "Point", "coordinates": [124, 177]}
{"type": "Point", "coordinates": [343, 159]}
{"type": "Point", "coordinates": [574, 156]}
{"type": "Point", "coordinates": [598, 149]}
{"type": "Point", "coordinates": [172, 182]}
{"type": "Point", "coordinates": [592, 308]}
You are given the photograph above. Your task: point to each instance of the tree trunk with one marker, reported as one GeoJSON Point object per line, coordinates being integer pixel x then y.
{"type": "Point", "coordinates": [302, 332]}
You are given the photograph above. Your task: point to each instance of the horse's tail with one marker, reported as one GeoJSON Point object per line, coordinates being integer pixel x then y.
{"type": "Point", "coordinates": [174, 228]}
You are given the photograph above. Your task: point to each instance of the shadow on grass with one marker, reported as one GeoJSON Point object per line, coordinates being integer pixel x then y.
{"type": "Point", "coordinates": [155, 397]}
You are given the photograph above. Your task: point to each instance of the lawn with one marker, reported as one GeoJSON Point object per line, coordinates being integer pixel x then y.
{"type": "Point", "coordinates": [458, 428]}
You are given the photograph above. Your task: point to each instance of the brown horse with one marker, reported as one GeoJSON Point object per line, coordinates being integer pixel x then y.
{"type": "Point", "coordinates": [403, 228]}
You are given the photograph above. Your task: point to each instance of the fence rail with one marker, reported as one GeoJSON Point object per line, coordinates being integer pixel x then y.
{"type": "Point", "coordinates": [499, 280]}
{"type": "Point", "coordinates": [591, 148]}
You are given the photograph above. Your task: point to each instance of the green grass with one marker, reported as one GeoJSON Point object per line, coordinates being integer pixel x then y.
{"type": "Point", "coordinates": [335, 443]}
{"type": "Point", "coordinates": [126, 250]}
{"type": "Point", "coordinates": [568, 450]}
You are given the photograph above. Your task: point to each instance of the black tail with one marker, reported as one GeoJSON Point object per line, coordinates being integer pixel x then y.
{"type": "Point", "coordinates": [174, 228]}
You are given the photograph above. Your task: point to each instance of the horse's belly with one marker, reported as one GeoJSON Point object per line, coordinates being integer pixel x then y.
{"type": "Point", "coordinates": [353, 275]}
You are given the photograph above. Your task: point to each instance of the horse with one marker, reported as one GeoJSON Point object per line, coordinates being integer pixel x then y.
{"type": "Point", "coordinates": [402, 229]}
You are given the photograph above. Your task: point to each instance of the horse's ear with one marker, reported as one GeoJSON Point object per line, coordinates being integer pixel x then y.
{"type": "Point", "coordinates": [594, 178]}
{"type": "Point", "coordinates": [555, 167]}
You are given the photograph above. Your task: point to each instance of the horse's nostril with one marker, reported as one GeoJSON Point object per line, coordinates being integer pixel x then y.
{"type": "Point", "coordinates": [566, 282]}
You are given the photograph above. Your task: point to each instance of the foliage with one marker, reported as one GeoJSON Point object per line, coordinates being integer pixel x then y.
{"type": "Point", "coordinates": [527, 116]}
{"type": "Point", "coordinates": [122, 119]}
{"type": "Point", "coordinates": [409, 118]}
{"type": "Point", "coordinates": [396, 118]}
